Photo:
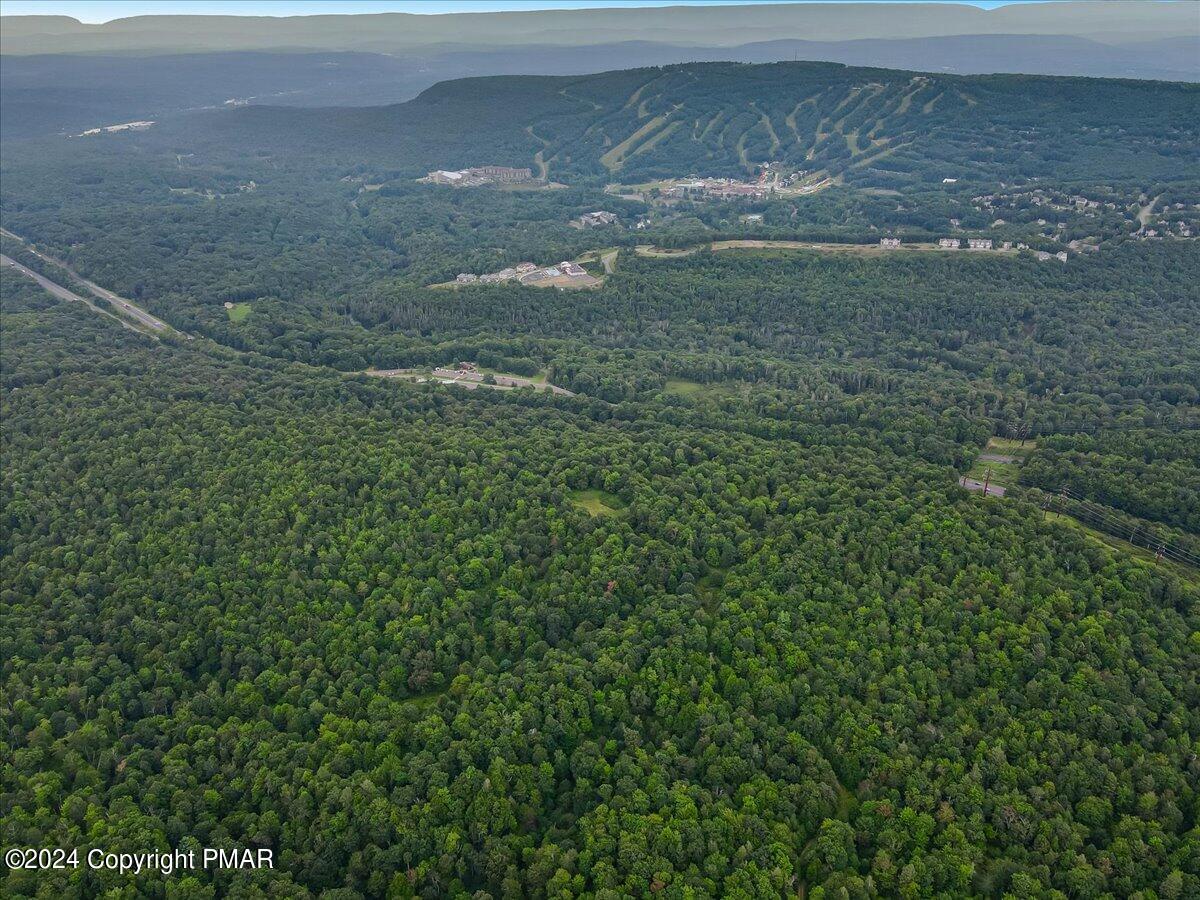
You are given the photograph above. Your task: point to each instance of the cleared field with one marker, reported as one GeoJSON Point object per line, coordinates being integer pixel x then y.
{"type": "Point", "coordinates": [1001, 460]}
{"type": "Point", "coordinates": [790, 246]}
{"type": "Point", "coordinates": [238, 312]}
{"type": "Point", "coordinates": [501, 381]}
{"type": "Point", "coordinates": [863, 250]}
{"type": "Point", "coordinates": [596, 502]}
{"type": "Point", "coordinates": [648, 250]}
{"type": "Point", "coordinates": [563, 282]}
{"type": "Point", "coordinates": [859, 249]}
{"type": "Point", "coordinates": [682, 387]}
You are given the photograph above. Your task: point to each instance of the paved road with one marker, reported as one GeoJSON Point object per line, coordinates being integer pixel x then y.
{"type": "Point", "coordinates": [123, 306]}
{"type": "Point", "coordinates": [993, 490]}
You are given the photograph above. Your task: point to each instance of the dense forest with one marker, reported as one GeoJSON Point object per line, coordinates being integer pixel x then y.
{"type": "Point", "coordinates": [367, 624]}
{"type": "Point", "coordinates": [720, 622]}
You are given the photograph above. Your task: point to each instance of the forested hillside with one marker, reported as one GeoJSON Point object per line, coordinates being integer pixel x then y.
{"type": "Point", "coordinates": [864, 125]}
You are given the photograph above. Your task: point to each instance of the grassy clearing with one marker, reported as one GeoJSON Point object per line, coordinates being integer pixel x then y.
{"type": "Point", "coordinates": [597, 503]}
{"type": "Point", "coordinates": [648, 250]}
{"type": "Point", "coordinates": [539, 378]}
{"type": "Point", "coordinates": [682, 387]}
{"type": "Point", "coordinates": [1002, 472]}
{"type": "Point", "coordinates": [238, 313]}
{"type": "Point", "coordinates": [859, 249]}
{"type": "Point", "coordinates": [1011, 446]}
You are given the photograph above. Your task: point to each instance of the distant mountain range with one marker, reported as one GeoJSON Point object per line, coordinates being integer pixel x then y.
{"type": "Point", "coordinates": [47, 94]}
{"type": "Point", "coordinates": [1118, 22]}
{"type": "Point", "coordinates": [58, 75]}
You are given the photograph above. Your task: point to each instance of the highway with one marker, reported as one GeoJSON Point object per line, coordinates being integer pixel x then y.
{"type": "Point", "coordinates": [61, 292]}
{"type": "Point", "coordinates": [120, 304]}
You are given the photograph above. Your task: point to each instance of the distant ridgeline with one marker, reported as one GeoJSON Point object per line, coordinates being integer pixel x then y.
{"type": "Point", "coordinates": [862, 126]}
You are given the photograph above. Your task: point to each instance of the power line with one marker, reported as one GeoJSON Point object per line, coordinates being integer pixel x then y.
{"type": "Point", "coordinates": [1024, 431]}
{"type": "Point", "coordinates": [1110, 522]}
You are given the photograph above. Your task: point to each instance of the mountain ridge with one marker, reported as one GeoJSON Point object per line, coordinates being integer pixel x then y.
{"type": "Point", "coordinates": [1122, 21]}
{"type": "Point", "coordinates": [857, 124]}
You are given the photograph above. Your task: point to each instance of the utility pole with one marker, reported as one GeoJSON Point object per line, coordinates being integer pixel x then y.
{"type": "Point", "coordinates": [987, 478]}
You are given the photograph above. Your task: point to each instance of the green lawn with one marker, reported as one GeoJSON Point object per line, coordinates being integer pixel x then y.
{"type": "Point", "coordinates": [597, 503]}
{"type": "Point", "coordinates": [238, 312]}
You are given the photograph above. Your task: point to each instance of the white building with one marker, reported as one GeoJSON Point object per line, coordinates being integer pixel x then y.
{"type": "Point", "coordinates": [889, 243]}
{"type": "Point", "coordinates": [948, 243]}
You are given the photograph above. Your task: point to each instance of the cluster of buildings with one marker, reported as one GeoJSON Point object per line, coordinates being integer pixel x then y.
{"type": "Point", "coordinates": [563, 274]}
{"type": "Point", "coordinates": [478, 175]}
{"type": "Point", "coordinates": [720, 188]}
{"type": "Point", "coordinates": [1046, 199]}
{"type": "Point", "coordinates": [113, 129]}
{"type": "Point", "coordinates": [596, 219]}
{"type": "Point", "coordinates": [976, 244]}
{"type": "Point", "coordinates": [983, 244]}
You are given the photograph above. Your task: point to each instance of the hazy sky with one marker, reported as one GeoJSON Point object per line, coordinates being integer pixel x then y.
{"type": "Point", "coordinates": [105, 10]}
